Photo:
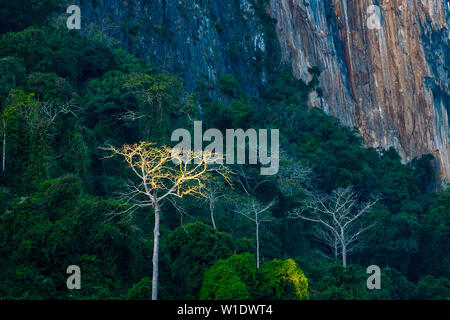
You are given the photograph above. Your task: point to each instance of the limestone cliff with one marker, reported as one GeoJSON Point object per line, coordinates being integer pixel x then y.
{"type": "Point", "coordinates": [196, 39]}
{"type": "Point", "coordinates": [391, 82]}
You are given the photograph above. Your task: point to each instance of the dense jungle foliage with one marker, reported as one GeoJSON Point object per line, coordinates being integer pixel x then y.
{"type": "Point", "coordinates": [64, 95]}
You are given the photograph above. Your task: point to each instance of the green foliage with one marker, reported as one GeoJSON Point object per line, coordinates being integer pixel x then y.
{"type": "Point", "coordinates": [128, 63]}
{"type": "Point", "coordinates": [242, 112]}
{"type": "Point", "coordinates": [238, 278]}
{"type": "Point", "coordinates": [58, 51]}
{"type": "Point", "coordinates": [284, 280]}
{"type": "Point", "coordinates": [59, 226]}
{"type": "Point", "coordinates": [229, 85]}
{"type": "Point", "coordinates": [104, 100]}
{"type": "Point", "coordinates": [330, 281]}
{"type": "Point", "coordinates": [239, 112]}
{"type": "Point", "coordinates": [49, 87]}
{"type": "Point", "coordinates": [422, 169]}
{"type": "Point", "coordinates": [75, 154]}
{"type": "Point", "coordinates": [431, 288]}
{"type": "Point", "coordinates": [26, 152]}
{"type": "Point", "coordinates": [20, 14]}
{"type": "Point", "coordinates": [228, 279]}
{"type": "Point", "coordinates": [342, 284]}
{"type": "Point", "coordinates": [141, 290]}
{"type": "Point", "coordinates": [397, 285]}
{"type": "Point", "coordinates": [158, 96]}
{"type": "Point", "coordinates": [12, 74]}
{"type": "Point", "coordinates": [285, 90]}
{"type": "Point", "coordinates": [193, 248]}
{"type": "Point", "coordinates": [435, 237]}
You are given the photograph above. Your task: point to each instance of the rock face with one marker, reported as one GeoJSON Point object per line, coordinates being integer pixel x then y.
{"type": "Point", "coordinates": [390, 82]}
{"type": "Point", "coordinates": [196, 39]}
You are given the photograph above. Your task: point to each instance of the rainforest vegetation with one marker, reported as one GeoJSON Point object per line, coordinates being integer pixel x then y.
{"type": "Point", "coordinates": [65, 96]}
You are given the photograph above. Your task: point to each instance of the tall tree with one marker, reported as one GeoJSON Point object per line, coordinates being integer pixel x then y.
{"type": "Point", "coordinates": [338, 216]}
{"type": "Point", "coordinates": [214, 191]}
{"type": "Point", "coordinates": [159, 178]}
{"type": "Point", "coordinates": [250, 207]}
{"type": "Point", "coordinates": [257, 213]}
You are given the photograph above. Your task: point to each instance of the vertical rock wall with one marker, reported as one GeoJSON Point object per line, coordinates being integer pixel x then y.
{"type": "Point", "coordinates": [392, 83]}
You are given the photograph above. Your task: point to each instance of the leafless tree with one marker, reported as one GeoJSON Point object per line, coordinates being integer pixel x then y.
{"type": "Point", "coordinates": [214, 191]}
{"type": "Point", "coordinates": [250, 207]}
{"type": "Point", "coordinates": [38, 116]}
{"type": "Point", "coordinates": [160, 179]}
{"type": "Point", "coordinates": [51, 110]}
{"type": "Point", "coordinates": [327, 237]}
{"type": "Point", "coordinates": [248, 183]}
{"type": "Point", "coordinates": [257, 213]}
{"type": "Point", "coordinates": [294, 177]}
{"type": "Point", "coordinates": [129, 116]}
{"type": "Point", "coordinates": [338, 216]}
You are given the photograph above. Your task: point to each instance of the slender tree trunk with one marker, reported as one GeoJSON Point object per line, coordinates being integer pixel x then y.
{"type": "Point", "coordinates": [211, 210]}
{"type": "Point", "coordinates": [4, 150]}
{"type": "Point", "coordinates": [4, 146]}
{"type": "Point", "coordinates": [155, 253]}
{"type": "Point", "coordinates": [257, 243]}
{"type": "Point", "coordinates": [344, 256]}
{"type": "Point", "coordinates": [344, 248]}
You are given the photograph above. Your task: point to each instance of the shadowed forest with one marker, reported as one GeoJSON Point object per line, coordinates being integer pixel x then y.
{"type": "Point", "coordinates": [65, 97]}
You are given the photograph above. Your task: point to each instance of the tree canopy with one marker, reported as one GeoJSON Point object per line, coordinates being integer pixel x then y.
{"type": "Point", "coordinates": [64, 95]}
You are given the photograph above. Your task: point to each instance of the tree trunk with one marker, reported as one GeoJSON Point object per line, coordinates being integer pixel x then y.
{"type": "Point", "coordinates": [4, 150]}
{"type": "Point", "coordinates": [211, 209]}
{"type": "Point", "coordinates": [257, 243]}
{"type": "Point", "coordinates": [344, 257]}
{"type": "Point", "coordinates": [155, 253]}
{"type": "Point", "coordinates": [344, 248]}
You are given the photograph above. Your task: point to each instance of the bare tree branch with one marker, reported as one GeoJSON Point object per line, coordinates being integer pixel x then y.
{"type": "Point", "coordinates": [337, 215]}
